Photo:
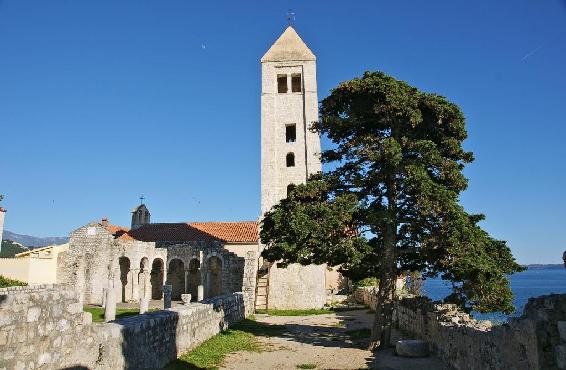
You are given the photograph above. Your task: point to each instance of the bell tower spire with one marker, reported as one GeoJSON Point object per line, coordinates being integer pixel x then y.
{"type": "Point", "coordinates": [289, 105]}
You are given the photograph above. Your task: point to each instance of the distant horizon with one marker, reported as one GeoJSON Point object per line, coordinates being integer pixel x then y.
{"type": "Point", "coordinates": [104, 101]}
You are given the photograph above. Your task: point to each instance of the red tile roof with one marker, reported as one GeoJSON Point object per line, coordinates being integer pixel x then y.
{"type": "Point", "coordinates": [228, 232]}
{"type": "Point", "coordinates": [118, 231]}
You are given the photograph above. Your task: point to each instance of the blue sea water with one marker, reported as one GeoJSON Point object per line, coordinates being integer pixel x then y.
{"type": "Point", "coordinates": [533, 282]}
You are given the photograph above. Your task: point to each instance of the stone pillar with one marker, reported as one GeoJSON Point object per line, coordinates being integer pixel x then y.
{"type": "Point", "coordinates": [186, 290]}
{"type": "Point", "coordinates": [110, 307]}
{"type": "Point", "coordinates": [200, 293]}
{"type": "Point", "coordinates": [167, 296]}
{"type": "Point", "coordinates": [134, 275]}
{"type": "Point", "coordinates": [144, 305]}
{"type": "Point", "coordinates": [104, 292]}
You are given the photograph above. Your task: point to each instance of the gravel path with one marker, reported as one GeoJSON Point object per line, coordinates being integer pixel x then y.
{"type": "Point", "coordinates": [326, 341]}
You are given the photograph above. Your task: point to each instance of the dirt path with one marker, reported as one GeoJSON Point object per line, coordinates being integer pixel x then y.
{"type": "Point", "coordinates": [333, 341]}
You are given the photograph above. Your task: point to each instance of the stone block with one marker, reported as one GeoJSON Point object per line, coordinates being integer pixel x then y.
{"type": "Point", "coordinates": [411, 348]}
{"type": "Point", "coordinates": [33, 314]}
{"type": "Point", "coordinates": [560, 356]}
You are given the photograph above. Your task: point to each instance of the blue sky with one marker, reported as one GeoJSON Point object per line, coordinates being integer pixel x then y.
{"type": "Point", "coordinates": [101, 101]}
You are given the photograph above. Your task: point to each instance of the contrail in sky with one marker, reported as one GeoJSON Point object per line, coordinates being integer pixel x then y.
{"type": "Point", "coordinates": [531, 53]}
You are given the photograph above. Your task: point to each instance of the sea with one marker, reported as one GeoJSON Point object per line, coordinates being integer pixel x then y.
{"type": "Point", "coordinates": [537, 280]}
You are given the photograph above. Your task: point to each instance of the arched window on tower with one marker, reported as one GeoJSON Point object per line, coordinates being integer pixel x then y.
{"type": "Point", "coordinates": [290, 160]}
{"type": "Point", "coordinates": [290, 188]}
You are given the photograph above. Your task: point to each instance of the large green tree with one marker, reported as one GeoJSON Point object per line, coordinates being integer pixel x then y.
{"type": "Point", "coordinates": [391, 201]}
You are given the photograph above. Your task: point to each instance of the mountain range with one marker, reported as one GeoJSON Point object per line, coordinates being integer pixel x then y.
{"type": "Point", "coordinates": [33, 241]}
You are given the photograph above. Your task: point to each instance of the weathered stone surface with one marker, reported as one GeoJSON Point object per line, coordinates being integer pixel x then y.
{"type": "Point", "coordinates": [562, 330]}
{"type": "Point", "coordinates": [411, 348]}
{"type": "Point", "coordinates": [70, 339]}
{"type": "Point", "coordinates": [560, 356]}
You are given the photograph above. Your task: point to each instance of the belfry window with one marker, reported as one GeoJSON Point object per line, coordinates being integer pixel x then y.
{"type": "Point", "coordinates": [291, 133]}
{"type": "Point", "coordinates": [296, 82]}
{"type": "Point", "coordinates": [290, 160]}
{"type": "Point", "coordinates": [282, 84]}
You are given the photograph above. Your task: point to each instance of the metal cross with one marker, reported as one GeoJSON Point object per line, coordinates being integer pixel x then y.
{"type": "Point", "coordinates": [290, 17]}
{"type": "Point", "coordinates": [141, 199]}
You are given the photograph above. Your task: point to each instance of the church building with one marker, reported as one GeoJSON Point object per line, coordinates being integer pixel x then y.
{"type": "Point", "coordinates": [219, 257]}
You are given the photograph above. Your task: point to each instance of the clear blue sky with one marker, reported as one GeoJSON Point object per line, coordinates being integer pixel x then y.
{"type": "Point", "coordinates": [101, 101]}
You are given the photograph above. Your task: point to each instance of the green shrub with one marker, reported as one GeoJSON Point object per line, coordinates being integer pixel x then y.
{"type": "Point", "coordinates": [6, 282]}
{"type": "Point", "coordinates": [367, 282]}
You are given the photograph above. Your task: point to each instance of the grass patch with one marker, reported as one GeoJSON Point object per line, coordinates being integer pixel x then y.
{"type": "Point", "coordinates": [321, 311]}
{"type": "Point", "coordinates": [98, 313]}
{"type": "Point", "coordinates": [359, 333]}
{"type": "Point", "coordinates": [240, 337]}
{"type": "Point", "coordinates": [306, 366]}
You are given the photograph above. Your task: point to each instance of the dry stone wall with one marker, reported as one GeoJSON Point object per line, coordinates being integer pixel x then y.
{"type": "Point", "coordinates": [531, 341]}
{"type": "Point", "coordinates": [45, 327]}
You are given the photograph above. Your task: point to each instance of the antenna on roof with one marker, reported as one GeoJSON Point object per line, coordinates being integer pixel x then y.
{"type": "Point", "coordinates": [141, 199]}
{"type": "Point", "coordinates": [290, 17]}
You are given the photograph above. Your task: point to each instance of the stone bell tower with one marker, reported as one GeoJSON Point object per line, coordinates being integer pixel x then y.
{"type": "Point", "coordinates": [289, 105]}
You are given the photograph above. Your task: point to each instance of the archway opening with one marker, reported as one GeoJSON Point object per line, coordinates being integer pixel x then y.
{"type": "Point", "coordinates": [157, 279]}
{"type": "Point", "coordinates": [176, 277]}
{"type": "Point", "coordinates": [214, 277]}
{"type": "Point", "coordinates": [124, 271]}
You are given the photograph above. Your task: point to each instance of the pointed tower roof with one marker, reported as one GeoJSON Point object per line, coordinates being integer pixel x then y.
{"type": "Point", "coordinates": [289, 46]}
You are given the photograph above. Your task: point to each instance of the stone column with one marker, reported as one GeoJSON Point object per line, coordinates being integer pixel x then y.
{"type": "Point", "coordinates": [110, 307]}
{"type": "Point", "coordinates": [186, 290]}
{"type": "Point", "coordinates": [134, 274]}
{"type": "Point", "coordinates": [104, 290]}
{"type": "Point", "coordinates": [167, 296]}
{"type": "Point", "coordinates": [144, 305]}
{"type": "Point", "coordinates": [200, 293]}
{"type": "Point", "coordinates": [145, 294]}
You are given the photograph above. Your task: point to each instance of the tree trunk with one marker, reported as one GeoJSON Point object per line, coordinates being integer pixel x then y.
{"type": "Point", "coordinates": [381, 330]}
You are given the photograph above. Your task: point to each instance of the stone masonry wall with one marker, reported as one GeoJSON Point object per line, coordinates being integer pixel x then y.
{"type": "Point", "coordinates": [45, 327]}
{"type": "Point", "coordinates": [532, 341]}
{"type": "Point", "coordinates": [297, 287]}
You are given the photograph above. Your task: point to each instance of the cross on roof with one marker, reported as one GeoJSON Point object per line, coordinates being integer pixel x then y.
{"type": "Point", "coordinates": [290, 17]}
{"type": "Point", "coordinates": [142, 199]}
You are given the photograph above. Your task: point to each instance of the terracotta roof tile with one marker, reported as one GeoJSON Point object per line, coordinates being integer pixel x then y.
{"type": "Point", "coordinates": [229, 232]}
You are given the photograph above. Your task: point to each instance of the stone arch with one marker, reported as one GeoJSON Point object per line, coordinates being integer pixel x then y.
{"type": "Point", "coordinates": [193, 278]}
{"type": "Point", "coordinates": [156, 279]}
{"type": "Point", "coordinates": [125, 283]}
{"type": "Point", "coordinates": [176, 277]}
{"type": "Point", "coordinates": [213, 276]}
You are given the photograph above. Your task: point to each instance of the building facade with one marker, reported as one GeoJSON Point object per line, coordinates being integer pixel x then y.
{"type": "Point", "coordinates": [289, 155]}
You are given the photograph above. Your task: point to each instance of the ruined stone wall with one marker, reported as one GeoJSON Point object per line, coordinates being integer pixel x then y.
{"type": "Point", "coordinates": [86, 263]}
{"type": "Point", "coordinates": [297, 287]}
{"type": "Point", "coordinates": [532, 341]}
{"type": "Point", "coordinates": [41, 326]}
{"type": "Point", "coordinates": [366, 296]}
{"type": "Point", "coordinates": [94, 255]}
{"type": "Point", "coordinates": [45, 327]}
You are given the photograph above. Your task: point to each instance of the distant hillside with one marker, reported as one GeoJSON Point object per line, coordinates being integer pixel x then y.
{"type": "Point", "coordinates": [10, 249]}
{"type": "Point", "coordinates": [33, 241]}
{"type": "Point", "coordinates": [546, 267]}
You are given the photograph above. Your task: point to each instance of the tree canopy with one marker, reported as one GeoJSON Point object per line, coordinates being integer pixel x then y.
{"type": "Point", "coordinates": [391, 202]}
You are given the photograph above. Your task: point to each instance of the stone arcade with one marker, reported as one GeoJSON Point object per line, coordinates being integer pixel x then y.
{"type": "Point", "coordinates": [140, 260]}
